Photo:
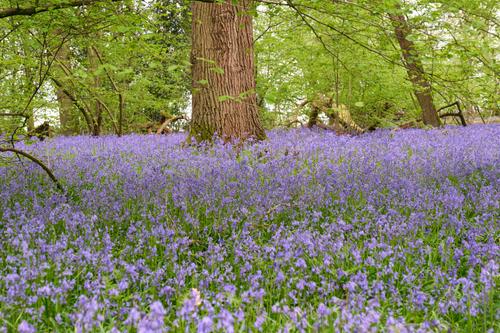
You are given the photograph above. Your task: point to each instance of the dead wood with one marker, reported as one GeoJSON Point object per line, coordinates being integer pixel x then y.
{"type": "Point", "coordinates": [163, 129]}
{"type": "Point", "coordinates": [459, 114]}
{"type": "Point", "coordinates": [295, 121]}
{"type": "Point", "coordinates": [42, 131]}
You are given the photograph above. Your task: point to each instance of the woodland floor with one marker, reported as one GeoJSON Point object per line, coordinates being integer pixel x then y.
{"type": "Point", "coordinates": [307, 231]}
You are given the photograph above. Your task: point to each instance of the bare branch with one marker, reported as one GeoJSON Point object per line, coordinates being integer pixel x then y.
{"type": "Point", "coordinates": [271, 26]}
{"type": "Point", "coordinates": [36, 161]}
{"type": "Point", "coordinates": [458, 114]}
{"type": "Point", "coordinates": [83, 108]}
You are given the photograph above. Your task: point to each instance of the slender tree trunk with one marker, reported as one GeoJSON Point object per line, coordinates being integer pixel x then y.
{"type": "Point", "coordinates": [415, 70]}
{"type": "Point", "coordinates": [80, 105]}
{"type": "Point", "coordinates": [332, 119]}
{"type": "Point", "coordinates": [30, 123]}
{"type": "Point", "coordinates": [224, 97]}
{"type": "Point", "coordinates": [93, 64]}
{"type": "Point", "coordinates": [64, 101]}
{"type": "Point", "coordinates": [65, 106]}
{"type": "Point", "coordinates": [28, 86]}
{"type": "Point", "coordinates": [121, 100]}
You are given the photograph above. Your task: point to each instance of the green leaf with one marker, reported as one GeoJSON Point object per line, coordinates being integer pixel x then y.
{"type": "Point", "coordinates": [225, 98]}
{"type": "Point", "coordinates": [172, 68]}
{"type": "Point", "coordinates": [206, 60]}
{"type": "Point", "coordinates": [217, 70]}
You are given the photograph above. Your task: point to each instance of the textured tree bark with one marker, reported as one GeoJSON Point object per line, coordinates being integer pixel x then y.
{"type": "Point", "coordinates": [224, 97]}
{"type": "Point", "coordinates": [415, 70]}
{"type": "Point", "coordinates": [64, 101]}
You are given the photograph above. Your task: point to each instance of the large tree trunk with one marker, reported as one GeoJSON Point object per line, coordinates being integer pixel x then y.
{"type": "Point", "coordinates": [415, 70]}
{"type": "Point", "coordinates": [64, 101]}
{"type": "Point", "coordinates": [224, 98]}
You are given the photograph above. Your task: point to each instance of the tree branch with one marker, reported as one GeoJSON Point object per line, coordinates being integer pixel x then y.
{"type": "Point", "coordinates": [318, 37]}
{"type": "Point", "coordinates": [36, 161]}
{"type": "Point", "coordinates": [83, 109]}
{"type": "Point", "coordinates": [29, 11]}
{"type": "Point", "coordinates": [458, 114]}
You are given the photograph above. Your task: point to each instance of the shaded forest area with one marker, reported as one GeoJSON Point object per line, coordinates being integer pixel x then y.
{"type": "Point", "coordinates": [117, 67]}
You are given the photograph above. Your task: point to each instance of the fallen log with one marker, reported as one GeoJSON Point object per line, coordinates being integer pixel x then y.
{"type": "Point", "coordinates": [164, 126]}
{"type": "Point", "coordinates": [41, 132]}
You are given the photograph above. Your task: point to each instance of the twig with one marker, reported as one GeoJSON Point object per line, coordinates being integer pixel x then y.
{"type": "Point", "coordinates": [318, 37]}
{"type": "Point", "coordinates": [265, 31]}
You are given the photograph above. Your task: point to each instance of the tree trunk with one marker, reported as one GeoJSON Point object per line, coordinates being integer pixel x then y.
{"type": "Point", "coordinates": [332, 120]}
{"type": "Point", "coordinates": [93, 64]}
{"type": "Point", "coordinates": [224, 96]}
{"type": "Point", "coordinates": [64, 101]}
{"type": "Point", "coordinates": [65, 106]}
{"type": "Point", "coordinates": [80, 105]}
{"type": "Point", "coordinates": [28, 86]}
{"type": "Point", "coordinates": [30, 123]}
{"type": "Point", "coordinates": [415, 70]}
{"type": "Point", "coordinates": [313, 117]}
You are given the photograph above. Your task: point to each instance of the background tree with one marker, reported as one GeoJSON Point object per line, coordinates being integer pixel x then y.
{"type": "Point", "coordinates": [414, 66]}
{"type": "Point", "coordinates": [138, 53]}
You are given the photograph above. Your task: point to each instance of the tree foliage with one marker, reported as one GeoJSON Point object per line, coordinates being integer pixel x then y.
{"type": "Point", "coordinates": [347, 50]}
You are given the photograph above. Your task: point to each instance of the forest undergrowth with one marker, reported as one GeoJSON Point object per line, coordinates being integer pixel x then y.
{"type": "Point", "coordinates": [305, 232]}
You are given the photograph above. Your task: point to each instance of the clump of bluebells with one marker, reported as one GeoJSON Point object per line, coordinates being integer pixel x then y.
{"type": "Point", "coordinates": [304, 232]}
